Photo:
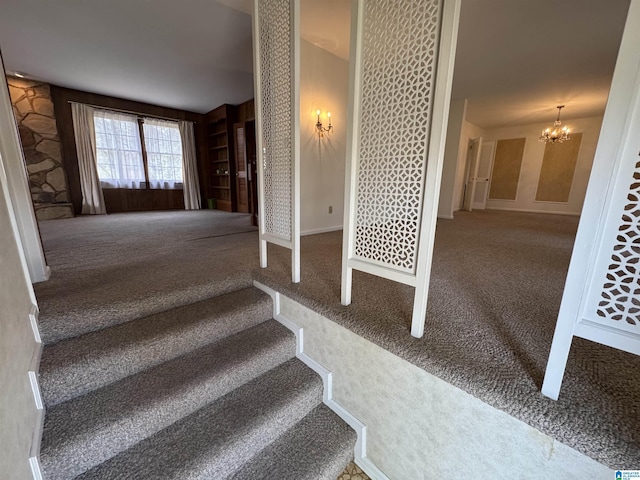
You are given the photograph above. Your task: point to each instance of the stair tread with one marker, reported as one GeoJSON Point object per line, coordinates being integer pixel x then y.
{"type": "Point", "coordinates": [217, 440]}
{"type": "Point", "coordinates": [319, 447]}
{"type": "Point", "coordinates": [88, 430]}
{"type": "Point", "coordinates": [75, 366]}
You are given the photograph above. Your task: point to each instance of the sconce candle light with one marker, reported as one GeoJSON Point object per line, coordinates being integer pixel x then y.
{"type": "Point", "coordinates": [322, 129]}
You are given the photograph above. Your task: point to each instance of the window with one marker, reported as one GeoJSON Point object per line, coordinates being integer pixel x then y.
{"type": "Point", "coordinates": [164, 153]}
{"type": "Point", "coordinates": [118, 150]}
{"type": "Point", "coordinates": [123, 163]}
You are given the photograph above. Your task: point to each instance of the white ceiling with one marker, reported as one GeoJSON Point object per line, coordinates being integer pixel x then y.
{"type": "Point", "coordinates": [515, 62]}
{"type": "Point", "coordinates": [188, 54]}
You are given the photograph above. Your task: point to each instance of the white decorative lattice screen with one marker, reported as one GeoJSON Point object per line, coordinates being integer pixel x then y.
{"type": "Point", "coordinates": [601, 299]}
{"type": "Point", "coordinates": [276, 87]}
{"type": "Point", "coordinates": [402, 65]}
{"type": "Point", "coordinates": [399, 54]}
{"type": "Point", "coordinates": [619, 302]}
{"type": "Point", "coordinates": [276, 47]}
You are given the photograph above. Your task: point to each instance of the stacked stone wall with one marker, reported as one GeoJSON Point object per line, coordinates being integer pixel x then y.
{"type": "Point", "coordinates": [33, 109]}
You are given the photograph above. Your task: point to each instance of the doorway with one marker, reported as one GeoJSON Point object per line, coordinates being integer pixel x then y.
{"type": "Point", "coordinates": [477, 174]}
{"type": "Point", "coordinates": [244, 135]}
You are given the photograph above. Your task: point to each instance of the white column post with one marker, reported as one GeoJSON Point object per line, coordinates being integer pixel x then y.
{"type": "Point", "coordinates": [260, 149]}
{"type": "Point", "coordinates": [295, 190]}
{"type": "Point", "coordinates": [433, 177]}
{"type": "Point", "coordinates": [592, 270]}
{"type": "Point", "coordinates": [351, 163]}
{"type": "Point", "coordinates": [276, 41]}
{"type": "Point", "coordinates": [13, 159]}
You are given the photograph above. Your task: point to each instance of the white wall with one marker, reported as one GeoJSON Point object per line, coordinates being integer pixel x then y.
{"type": "Point", "coordinates": [323, 86]}
{"type": "Point", "coordinates": [20, 420]}
{"type": "Point", "coordinates": [469, 131]}
{"type": "Point", "coordinates": [532, 164]}
{"type": "Point", "coordinates": [457, 112]}
{"type": "Point", "coordinates": [18, 187]}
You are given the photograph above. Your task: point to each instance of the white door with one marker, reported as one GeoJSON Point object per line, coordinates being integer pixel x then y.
{"type": "Point", "coordinates": [483, 172]}
{"type": "Point", "coordinates": [473, 160]}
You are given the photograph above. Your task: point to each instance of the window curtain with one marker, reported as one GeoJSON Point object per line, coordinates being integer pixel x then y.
{"type": "Point", "coordinates": [164, 153]}
{"type": "Point", "coordinates": [83, 129]}
{"type": "Point", "coordinates": [189, 167]}
{"type": "Point", "coordinates": [118, 150]}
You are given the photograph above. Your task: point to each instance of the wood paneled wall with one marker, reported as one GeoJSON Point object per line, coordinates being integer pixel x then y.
{"type": "Point", "coordinates": [138, 199]}
{"type": "Point", "coordinates": [245, 111]}
{"type": "Point", "coordinates": [129, 200]}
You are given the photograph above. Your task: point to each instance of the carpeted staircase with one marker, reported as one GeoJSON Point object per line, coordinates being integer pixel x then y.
{"type": "Point", "coordinates": [208, 390]}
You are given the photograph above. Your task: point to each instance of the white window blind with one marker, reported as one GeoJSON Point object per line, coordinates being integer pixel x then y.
{"type": "Point", "coordinates": [118, 150]}
{"type": "Point", "coordinates": [164, 153]}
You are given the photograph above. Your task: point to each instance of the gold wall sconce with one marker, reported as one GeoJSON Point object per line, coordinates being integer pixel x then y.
{"type": "Point", "coordinates": [321, 129]}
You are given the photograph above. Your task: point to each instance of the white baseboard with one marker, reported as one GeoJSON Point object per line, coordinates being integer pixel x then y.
{"type": "Point", "coordinates": [39, 424]}
{"type": "Point", "coordinates": [36, 471]}
{"type": "Point", "coordinates": [360, 449]}
{"type": "Point", "coordinates": [44, 276]}
{"type": "Point", "coordinates": [526, 210]}
{"type": "Point", "coordinates": [368, 467]}
{"type": "Point", "coordinates": [315, 231]}
{"type": "Point", "coordinates": [35, 386]}
{"type": "Point", "coordinates": [37, 354]}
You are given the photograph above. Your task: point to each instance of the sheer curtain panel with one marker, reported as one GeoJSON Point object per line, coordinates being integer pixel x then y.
{"type": "Point", "coordinates": [118, 150]}
{"type": "Point", "coordinates": [83, 129]}
{"type": "Point", "coordinates": [164, 153]}
{"type": "Point", "coordinates": [189, 167]}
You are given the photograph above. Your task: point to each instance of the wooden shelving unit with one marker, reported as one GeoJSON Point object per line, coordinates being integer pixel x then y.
{"type": "Point", "coordinates": [220, 174]}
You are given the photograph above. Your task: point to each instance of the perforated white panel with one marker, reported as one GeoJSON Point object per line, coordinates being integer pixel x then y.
{"type": "Point", "coordinates": [399, 50]}
{"type": "Point", "coordinates": [276, 55]}
{"type": "Point", "coordinates": [620, 296]}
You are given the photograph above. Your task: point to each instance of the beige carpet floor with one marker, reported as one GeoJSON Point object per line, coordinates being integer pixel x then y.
{"type": "Point", "coordinates": [110, 269]}
{"type": "Point", "coordinates": [495, 291]}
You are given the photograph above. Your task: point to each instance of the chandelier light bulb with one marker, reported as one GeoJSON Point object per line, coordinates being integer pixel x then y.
{"type": "Point", "coordinates": [557, 134]}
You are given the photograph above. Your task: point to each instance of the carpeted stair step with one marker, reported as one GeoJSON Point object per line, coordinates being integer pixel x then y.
{"type": "Point", "coordinates": [215, 442]}
{"type": "Point", "coordinates": [73, 367]}
{"type": "Point", "coordinates": [317, 448]}
{"type": "Point", "coordinates": [88, 430]}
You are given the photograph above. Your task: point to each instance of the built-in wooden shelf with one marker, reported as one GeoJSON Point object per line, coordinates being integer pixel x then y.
{"type": "Point", "coordinates": [220, 186]}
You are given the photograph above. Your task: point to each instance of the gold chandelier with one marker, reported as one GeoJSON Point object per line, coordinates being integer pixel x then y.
{"type": "Point", "coordinates": [555, 134]}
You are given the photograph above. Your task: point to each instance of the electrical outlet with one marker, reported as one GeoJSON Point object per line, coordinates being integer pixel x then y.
{"type": "Point", "coordinates": [330, 209]}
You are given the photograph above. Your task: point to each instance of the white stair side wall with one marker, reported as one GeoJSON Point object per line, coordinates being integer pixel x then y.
{"type": "Point", "coordinates": [21, 409]}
